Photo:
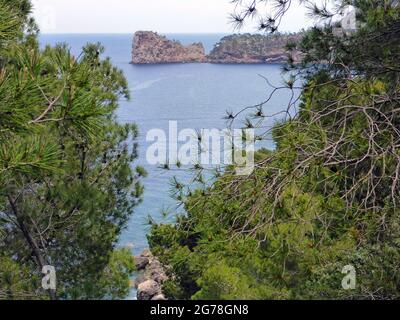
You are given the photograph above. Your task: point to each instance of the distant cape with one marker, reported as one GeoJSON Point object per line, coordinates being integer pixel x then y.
{"type": "Point", "coordinates": [152, 48]}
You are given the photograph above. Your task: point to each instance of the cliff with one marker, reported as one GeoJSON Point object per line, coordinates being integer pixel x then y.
{"type": "Point", "coordinates": [248, 48]}
{"type": "Point", "coordinates": [149, 47]}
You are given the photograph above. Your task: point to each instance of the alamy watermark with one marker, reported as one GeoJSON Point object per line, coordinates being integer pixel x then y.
{"type": "Point", "coordinates": [206, 147]}
{"type": "Point", "coordinates": [349, 281]}
{"type": "Point", "coordinates": [49, 281]}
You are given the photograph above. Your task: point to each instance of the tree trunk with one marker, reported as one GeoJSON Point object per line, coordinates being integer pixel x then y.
{"type": "Point", "coordinates": [40, 260]}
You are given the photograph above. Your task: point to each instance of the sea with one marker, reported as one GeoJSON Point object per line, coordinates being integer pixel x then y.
{"type": "Point", "coordinates": [196, 96]}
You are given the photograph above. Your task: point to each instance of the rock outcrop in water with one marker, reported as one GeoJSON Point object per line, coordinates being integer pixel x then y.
{"type": "Point", "coordinates": [150, 47]}
{"type": "Point", "coordinates": [254, 48]}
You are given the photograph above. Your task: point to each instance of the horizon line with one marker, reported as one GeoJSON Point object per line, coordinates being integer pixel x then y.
{"type": "Point", "coordinates": [55, 33]}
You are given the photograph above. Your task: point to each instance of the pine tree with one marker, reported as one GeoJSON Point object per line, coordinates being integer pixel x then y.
{"type": "Point", "coordinates": [327, 197]}
{"type": "Point", "coordinates": [67, 184]}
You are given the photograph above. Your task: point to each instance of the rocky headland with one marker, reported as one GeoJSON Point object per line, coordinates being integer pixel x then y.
{"type": "Point", "coordinates": [254, 48]}
{"type": "Point", "coordinates": [152, 48]}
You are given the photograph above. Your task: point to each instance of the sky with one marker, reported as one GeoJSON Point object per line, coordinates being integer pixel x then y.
{"type": "Point", "coordinates": [128, 16]}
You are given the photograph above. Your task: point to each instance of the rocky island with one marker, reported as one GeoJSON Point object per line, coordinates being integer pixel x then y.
{"type": "Point", "coordinates": [151, 48]}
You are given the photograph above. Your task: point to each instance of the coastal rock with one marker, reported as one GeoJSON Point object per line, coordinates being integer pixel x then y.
{"type": "Point", "coordinates": [146, 253]}
{"type": "Point", "coordinates": [156, 271]}
{"type": "Point", "coordinates": [150, 47]}
{"type": "Point", "coordinates": [159, 297]}
{"type": "Point", "coordinates": [148, 289]}
{"type": "Point", "coordinates": [151, 279]}
{"type": "Point", "coordinates": [254, 48]}
{"type": "Point", "coordinates": [141, 262]}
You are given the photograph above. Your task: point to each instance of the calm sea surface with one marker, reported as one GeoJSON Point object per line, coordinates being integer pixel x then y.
{"type": "Point", "coordinates": [195, 95]}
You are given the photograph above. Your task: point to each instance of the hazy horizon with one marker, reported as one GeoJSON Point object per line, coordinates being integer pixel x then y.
{"type": "Point", "coordinates": [162, 16]}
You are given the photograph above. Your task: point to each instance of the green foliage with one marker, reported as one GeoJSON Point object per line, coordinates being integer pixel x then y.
{"type": "Point", "coordinates": [112, 283]}
{"type": "Point", "coordinates": [327, 197]}
{"type": "Point", "coordinates": [223, 282]}
{"type": "Point", "coordinates": [67, 184]}
{"type": "Point", "coordinates": [16, 278]}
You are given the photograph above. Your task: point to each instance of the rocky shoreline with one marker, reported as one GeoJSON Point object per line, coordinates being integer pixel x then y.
{"type": "Point", "coordinates": [152, 48]}
{"type": "Point", "coordinates": [149, 283]}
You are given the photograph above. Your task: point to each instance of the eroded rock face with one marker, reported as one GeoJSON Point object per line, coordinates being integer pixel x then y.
{"type": "Point", "coordinates": [159, 297]}
{"type": "Point", "coordinates": [143, 260]}
{"type": "Point", "coordinates": [150, 47]}
{"type": "Point", "coordinates": [148, 289]}
{"type": "Point", "coordinates": [141, 263]}
{"type": "Point", "coordinates": [254, 48]}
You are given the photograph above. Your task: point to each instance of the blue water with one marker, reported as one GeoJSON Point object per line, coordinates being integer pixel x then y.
{"type": "Point", "coordinates": [196, 95]}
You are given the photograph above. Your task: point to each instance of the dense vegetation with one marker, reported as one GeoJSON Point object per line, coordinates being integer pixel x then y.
{"type": "Point", "coordinates": [67, 186]}
{"type": "Point", "coordinates": [327, 197]}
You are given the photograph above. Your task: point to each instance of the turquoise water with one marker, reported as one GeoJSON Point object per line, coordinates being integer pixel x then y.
{"type": "Point", "coordinates": [195, 95]}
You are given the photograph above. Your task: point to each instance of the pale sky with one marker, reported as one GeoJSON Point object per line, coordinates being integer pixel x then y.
{"type": "Point", "coordinates": [128, 16]}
